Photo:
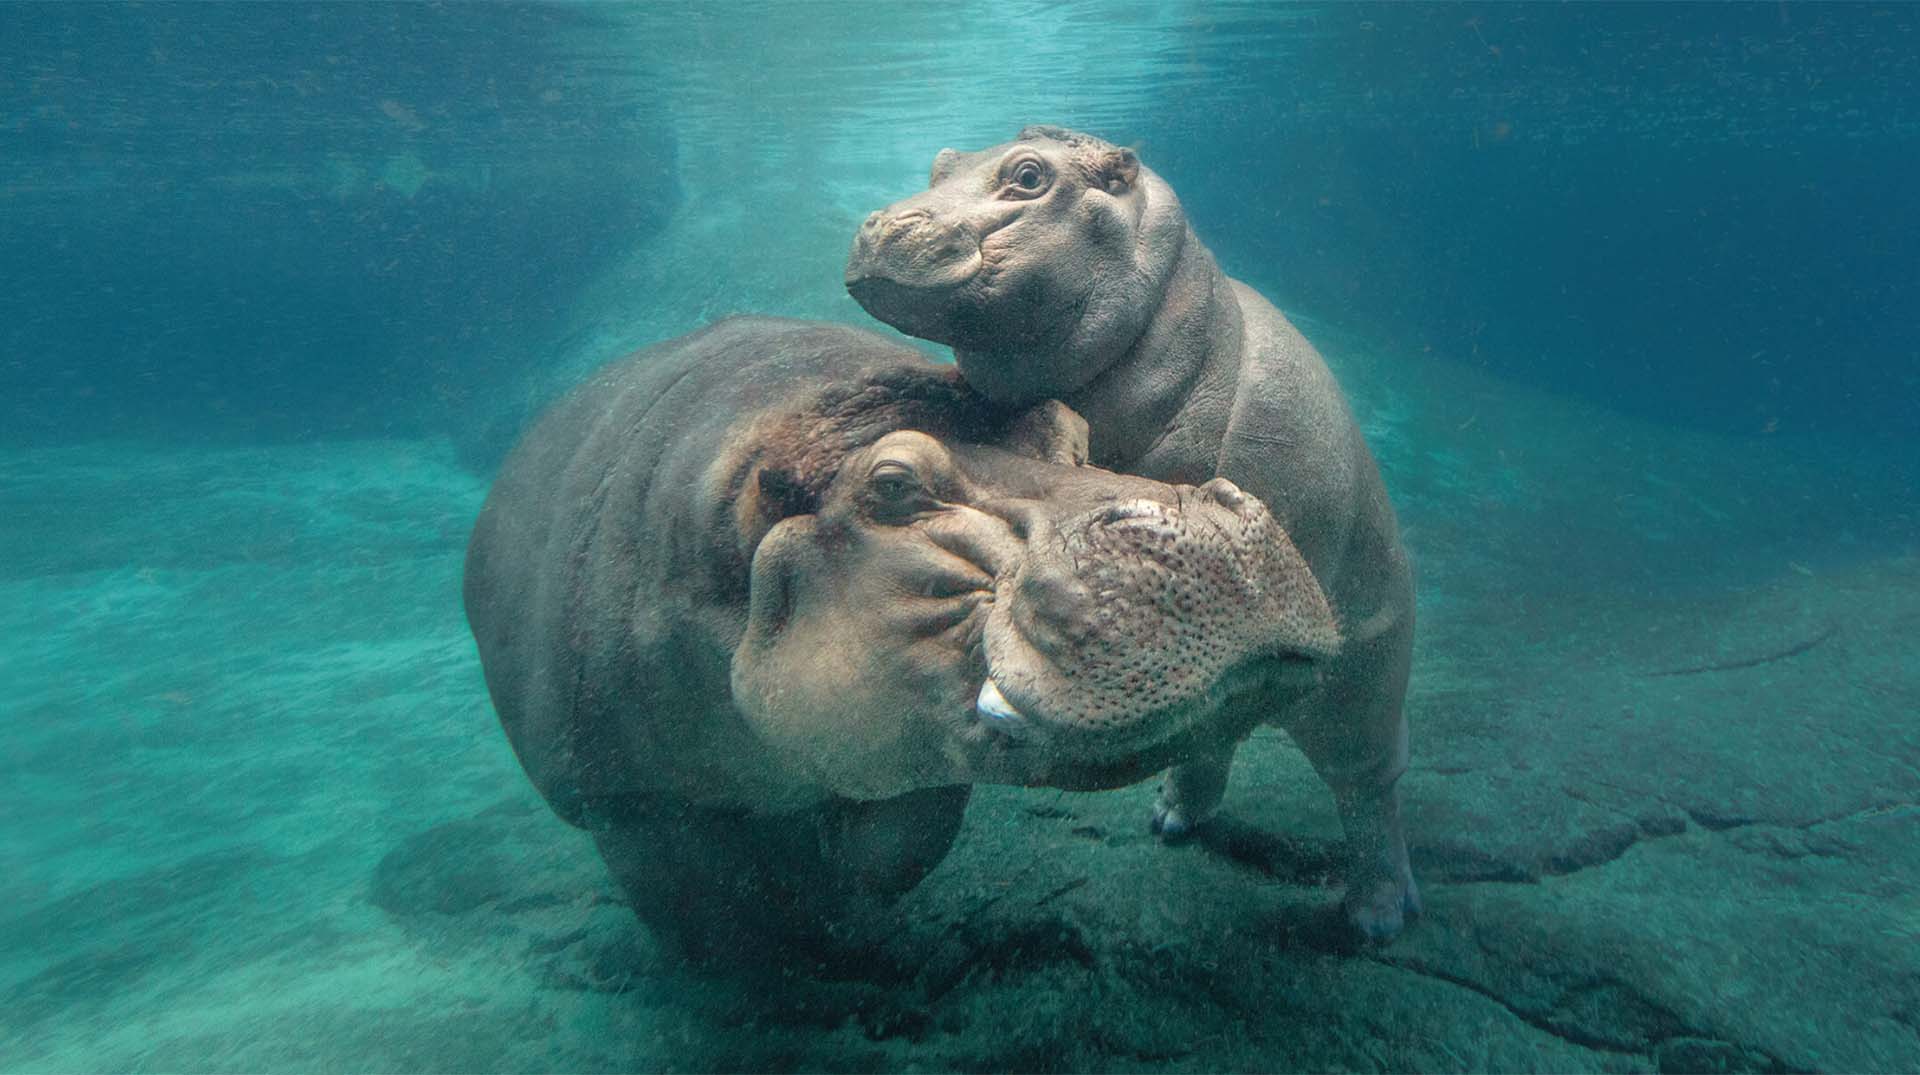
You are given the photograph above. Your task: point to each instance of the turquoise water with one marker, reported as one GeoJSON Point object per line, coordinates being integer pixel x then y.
{"type": "Point", "coordinates": [1623, 297]}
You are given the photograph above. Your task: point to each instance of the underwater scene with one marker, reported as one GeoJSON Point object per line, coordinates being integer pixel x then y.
{"type": "Point", "coordinates": [1004, 536]}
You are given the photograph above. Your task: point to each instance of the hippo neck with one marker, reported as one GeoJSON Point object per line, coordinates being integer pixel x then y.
{"type": "Point", "coordinates": [1179, 370]}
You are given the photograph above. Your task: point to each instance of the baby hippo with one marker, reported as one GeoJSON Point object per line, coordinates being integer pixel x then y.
{"type": "Point", "coordinates": [1059, 266]}
{"type": "Point", "coordinates": [757, 606]}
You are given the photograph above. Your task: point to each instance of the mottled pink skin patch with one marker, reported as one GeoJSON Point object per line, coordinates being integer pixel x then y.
{"type": "Point", "coordinates": [1132, 629]}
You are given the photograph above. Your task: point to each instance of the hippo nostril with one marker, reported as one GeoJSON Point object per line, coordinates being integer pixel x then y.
{"type": "Point", "coordinates": [872, 223]}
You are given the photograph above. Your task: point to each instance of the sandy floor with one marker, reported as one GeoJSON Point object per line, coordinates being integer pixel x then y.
{"type": "Point", "coordinates": [1666, 803]}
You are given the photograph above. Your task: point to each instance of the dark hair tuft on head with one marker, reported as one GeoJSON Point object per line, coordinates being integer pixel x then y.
{"type": "Point", "coordinates": [811, 442]}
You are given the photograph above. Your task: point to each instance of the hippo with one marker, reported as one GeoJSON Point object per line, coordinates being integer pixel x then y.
{"type": "Point", "coordinates": [757, 607]}
{"type": "Point", "coordinates": [1059, 266]}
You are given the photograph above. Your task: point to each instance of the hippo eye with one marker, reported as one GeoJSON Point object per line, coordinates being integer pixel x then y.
{"type": "Point", "coordinates": [1029, 177]}
{"type": "Point", "coordinates": [894, 487]}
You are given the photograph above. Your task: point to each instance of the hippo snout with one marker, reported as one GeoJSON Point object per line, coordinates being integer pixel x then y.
{"type": "Point", "coordinates": [912, 248]}
{"type": "Point", "coordinates": [1136, 620]}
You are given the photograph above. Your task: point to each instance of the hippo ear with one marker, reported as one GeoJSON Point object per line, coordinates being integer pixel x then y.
{"type": "Point", "coordinates": [770, 494]}
{"type": "Point", "coordinates": [781, 495]}
{"type": "Point", "coordinates": [1050, 431]}
{"type": "Point", "coordinates": [944, 163]}
{"type": "Point", "coordinates": [1119, 170]}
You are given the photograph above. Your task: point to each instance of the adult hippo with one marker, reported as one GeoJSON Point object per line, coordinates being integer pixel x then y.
{"type": "Point", "coordinates": [757, 606]}
{"type": "Point", "coordinates": [1057, 266]}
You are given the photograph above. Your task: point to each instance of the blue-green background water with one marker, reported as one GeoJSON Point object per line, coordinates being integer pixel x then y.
{"type": "Point", "coordinates": [1626, 297]}
{"type": "Point", "coordinates": [1701, 210]}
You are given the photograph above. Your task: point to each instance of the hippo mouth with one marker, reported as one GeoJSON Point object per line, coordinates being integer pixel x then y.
{"type": "Point", "coordinates": [993, 707]}
{"type": "Point", "coordinates": [1020, 746]}
{"type": "Point", "coordinates": [912, 283]}
{"type": "Point", "coordinates": [924, 311]}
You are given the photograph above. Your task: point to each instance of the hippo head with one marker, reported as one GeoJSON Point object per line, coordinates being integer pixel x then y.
{"type": "Point", "coordinates": [1040, 261]}
{"type": "Point", "coordinates": [945, 611]}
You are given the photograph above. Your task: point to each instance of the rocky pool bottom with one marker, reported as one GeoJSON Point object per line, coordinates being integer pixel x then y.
{"type": "Point", "coordinates": [1665, 804]}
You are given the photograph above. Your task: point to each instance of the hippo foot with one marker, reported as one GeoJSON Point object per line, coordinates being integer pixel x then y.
{"type": "Point", "coordinates": [1379, 909]}
{"type": "Point", "coordinates": [1190, 795]}
{"type": "Point", "coordinates": [1173, 824]}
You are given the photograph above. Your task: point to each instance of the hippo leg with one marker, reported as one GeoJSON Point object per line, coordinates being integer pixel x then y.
{"type": "Point", "coordinates": [727, 886]}
{"type": "Point", "coordinates": [1191, 794]}
{"type": "Point", "coordinates": [1357, 742]}
{"type": "Point", "coordinates": [882, 849]}
{"type": "Point", "coordinates": [715, 885]}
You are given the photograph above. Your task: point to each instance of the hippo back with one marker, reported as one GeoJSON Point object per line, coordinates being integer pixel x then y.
{"type": "Point", "coordinates": [605, 586]}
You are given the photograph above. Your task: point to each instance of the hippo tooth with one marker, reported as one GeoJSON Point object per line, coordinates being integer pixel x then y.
{"type": "Point", "coordinates": [1133, 509]}
{"type": "Point", "coordinates": [992, 703]}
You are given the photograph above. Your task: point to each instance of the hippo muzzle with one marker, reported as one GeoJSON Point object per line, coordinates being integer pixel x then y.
{"type": "Point", "coordinates": [1132, 627]}
{"type": "Point", "coordinates": [916, 264]}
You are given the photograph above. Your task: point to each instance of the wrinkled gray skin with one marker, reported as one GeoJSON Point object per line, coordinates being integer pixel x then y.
{"type": "Point", "coordinates": [756, 607]}
{"type": "Point", "coordinates": [1058, 266]}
